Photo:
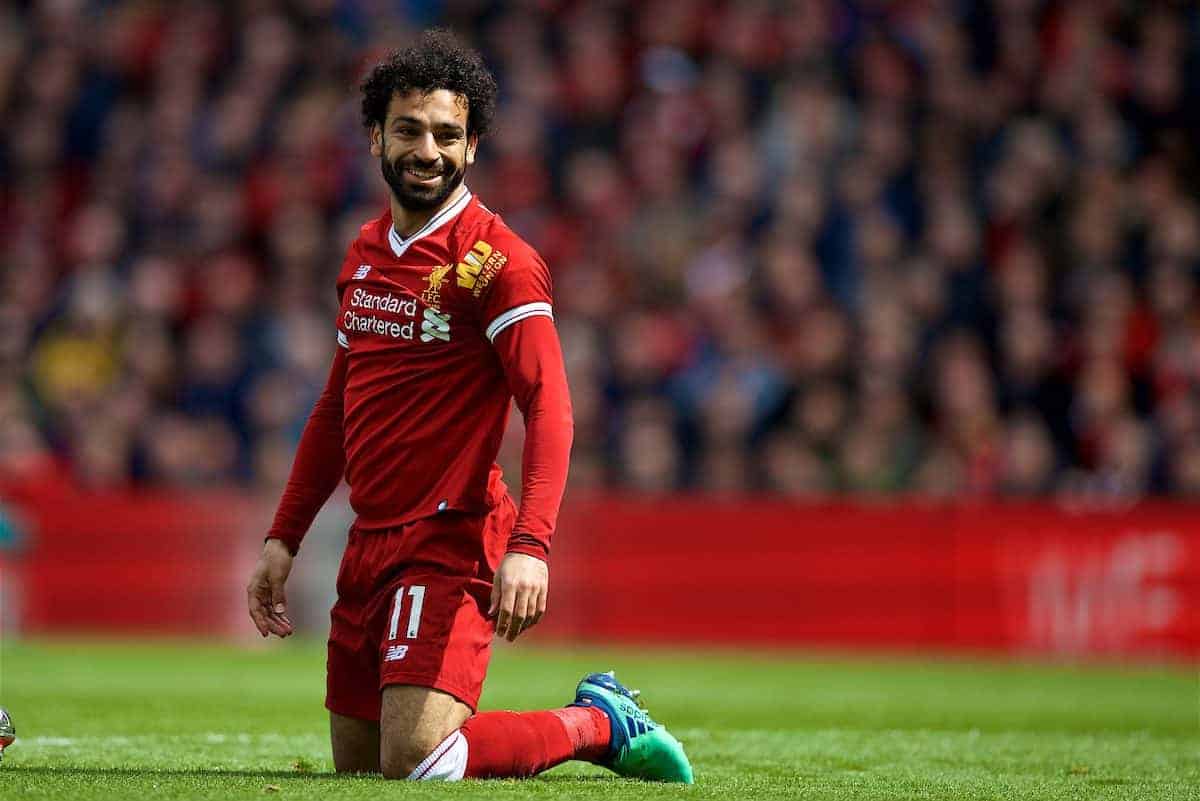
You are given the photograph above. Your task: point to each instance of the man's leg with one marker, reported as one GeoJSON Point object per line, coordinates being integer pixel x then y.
{"type": "Point", "coordinates": [434, 657]}
{"type": "Point", "coordinates": [352, 678]}
{"type": "Point", "coordinates": [355, 744]}
{"type": "Point", "coordinates": [430, 735]}
{"type": "Point", "coordinates": [434, 641]}
{"type": "Point", "coordinates": [414, 722]}
{"type": "Point", "coordinates": [521, 744]}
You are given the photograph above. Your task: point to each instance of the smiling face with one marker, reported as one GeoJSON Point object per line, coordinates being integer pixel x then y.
{"type": "Point", "coordinates": [423, 147]}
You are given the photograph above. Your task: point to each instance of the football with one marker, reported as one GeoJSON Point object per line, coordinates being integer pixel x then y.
{"type": "Point", "coordinates": [8, 732]}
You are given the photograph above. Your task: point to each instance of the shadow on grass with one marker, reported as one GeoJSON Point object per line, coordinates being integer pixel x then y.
{"type": "Point", "coordinates": [265, 775]}
{"type": "Point", "coordinates": [199, 773]}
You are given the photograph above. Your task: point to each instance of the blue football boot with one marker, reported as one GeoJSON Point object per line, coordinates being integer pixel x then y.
{"type": "Point", "coordinates": [640, 748]}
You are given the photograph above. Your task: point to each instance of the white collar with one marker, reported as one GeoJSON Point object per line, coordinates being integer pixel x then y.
{"type": "Point", "coordinates": [400, 246]}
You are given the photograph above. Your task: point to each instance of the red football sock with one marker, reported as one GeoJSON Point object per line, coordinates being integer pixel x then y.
{"type": "Point", "coordinates": [515, 744]}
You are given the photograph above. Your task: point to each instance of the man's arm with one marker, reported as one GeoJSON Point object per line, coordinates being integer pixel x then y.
{"type": "Point", "coordinates": [316, 471]}
{"type": "Point", "coordinates": [533, 366]}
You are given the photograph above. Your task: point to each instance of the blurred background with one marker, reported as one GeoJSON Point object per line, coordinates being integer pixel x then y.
{"type": "Point", "coordinates": [881, 315]}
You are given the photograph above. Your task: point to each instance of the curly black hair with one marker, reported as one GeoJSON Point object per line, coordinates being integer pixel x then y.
{"type": "Point", "coordinates": [439, 60]}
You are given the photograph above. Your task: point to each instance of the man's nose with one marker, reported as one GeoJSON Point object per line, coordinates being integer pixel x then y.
{"type": "Point", "coordinates": [427, 148]}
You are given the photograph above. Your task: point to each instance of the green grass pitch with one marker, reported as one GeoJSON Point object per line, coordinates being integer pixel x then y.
{"type": "Point", "coordinates": [98, 720]}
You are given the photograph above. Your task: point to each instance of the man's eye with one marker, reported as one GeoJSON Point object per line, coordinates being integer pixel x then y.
{"type": "Point", "coordinates": [407, 132]}
{"type": "Point", "coordinates": [448, 137]}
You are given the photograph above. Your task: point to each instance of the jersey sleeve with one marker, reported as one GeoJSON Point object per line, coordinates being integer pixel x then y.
{"type": "Point", "coordinates": [533, 368]}
{"type": "Point", "coordinates": [520, 290]}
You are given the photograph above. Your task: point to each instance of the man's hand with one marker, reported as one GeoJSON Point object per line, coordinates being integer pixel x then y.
{"type": "Point", "coordinates": [519, 594]}
{"type": "Point", "coordinates": [264, 593]}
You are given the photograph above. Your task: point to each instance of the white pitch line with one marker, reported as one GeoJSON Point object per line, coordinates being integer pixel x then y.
{"type": "Point", "coordinates": [211, 738]}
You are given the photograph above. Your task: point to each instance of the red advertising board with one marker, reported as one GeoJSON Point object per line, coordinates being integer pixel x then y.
{"type": "Point", "coordinates": [1034, 578]}
{"type": "Point", "coordinates": [138, 564]}
{"type": "Point", "coordinates": [1031, 578]}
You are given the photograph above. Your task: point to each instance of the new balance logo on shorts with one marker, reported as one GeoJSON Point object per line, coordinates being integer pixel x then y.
{"type": "Point", "coordinates": [395, 653]}
{"type": "Point", "coordinates": [361, 272]}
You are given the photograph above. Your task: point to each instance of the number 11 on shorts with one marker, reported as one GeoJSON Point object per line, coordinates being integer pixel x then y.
{"type": "Point", "coordinates": [417, 593]}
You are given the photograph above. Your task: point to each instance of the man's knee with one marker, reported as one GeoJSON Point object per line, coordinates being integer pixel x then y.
{"type": "Point", "coordinates": [415, 721]}
{"type": "Point", "coordinates": [355, 744]}
{"type": "Point", "coordinates": [399, 758]}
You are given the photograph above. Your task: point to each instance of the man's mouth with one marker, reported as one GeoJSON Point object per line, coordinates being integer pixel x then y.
{"type": "Point", "coordinates": [423, 176]}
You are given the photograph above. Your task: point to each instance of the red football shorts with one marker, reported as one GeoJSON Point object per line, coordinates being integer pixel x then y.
{"type": "Point", "coordinates": [412, 609]}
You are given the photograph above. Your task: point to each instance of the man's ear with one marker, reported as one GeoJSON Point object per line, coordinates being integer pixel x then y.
{"type": "Point", "coordinates": [472, 143]}
{"type": "Point", "coordinates": [376, 140]}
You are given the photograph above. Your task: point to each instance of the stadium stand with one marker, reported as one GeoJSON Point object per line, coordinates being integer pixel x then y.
{"type": "Point", "coordinates": [800, 248]}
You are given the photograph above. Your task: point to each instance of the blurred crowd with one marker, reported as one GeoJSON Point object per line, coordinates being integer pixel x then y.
{"type": "Point", "coordinates": [799, 247]}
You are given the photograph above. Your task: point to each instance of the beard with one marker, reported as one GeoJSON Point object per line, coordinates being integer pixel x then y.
{"type": "Point", "coordinates": [420, 198]}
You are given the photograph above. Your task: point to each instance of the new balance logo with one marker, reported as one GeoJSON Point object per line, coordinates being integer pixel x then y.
{"type": "Point", "coordinates": [395, 653]}
{"type": "Point", "coordinates": [361, 272]}
{"type": "Point", "coordinates": [435, 326]}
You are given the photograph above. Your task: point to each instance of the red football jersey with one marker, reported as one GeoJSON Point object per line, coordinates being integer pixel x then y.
{"type": "Point", "coordinates": [426, 401]}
